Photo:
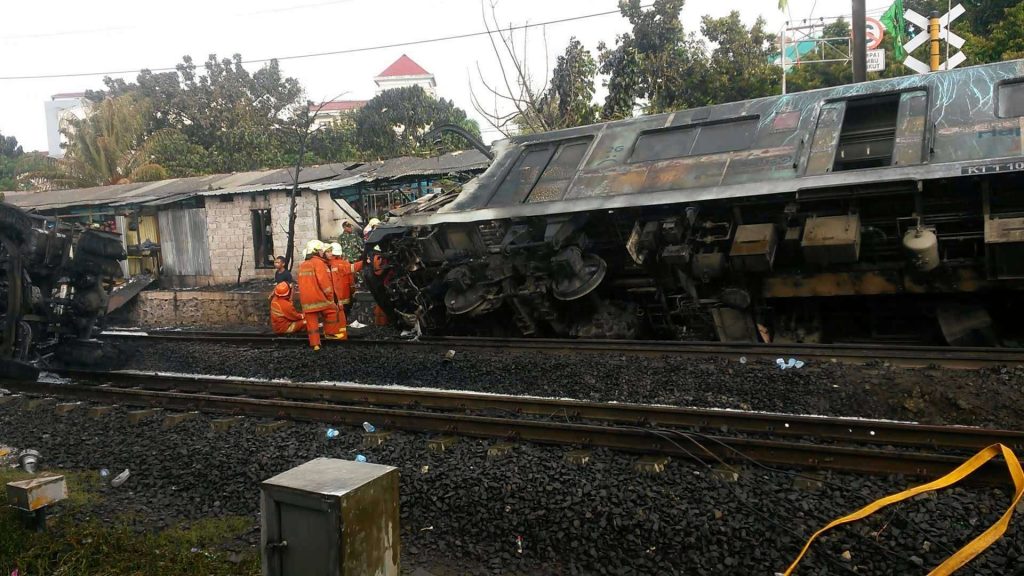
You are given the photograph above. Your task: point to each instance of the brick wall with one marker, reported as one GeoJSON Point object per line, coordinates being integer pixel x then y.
{"type": "Point", "coordinates": [163, 308]}
{"type": "Point", "coordinates": [229, 232]}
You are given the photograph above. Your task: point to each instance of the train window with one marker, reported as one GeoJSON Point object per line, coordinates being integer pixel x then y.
{"type": "Point", "coordinates": [868, 133]}
{"type": "Point", "coordinates": [560, 172]}
{"type": "Point", "coordinates": [523, 175]}
{"type": "Point", "coordinates": [725, 137]}
{"type": "Point", "coordinates": [695, 140]}
{"type": "Point", "coordinates": [1011, 99]}
{"type": "Point", "coordinates": [664, 144]}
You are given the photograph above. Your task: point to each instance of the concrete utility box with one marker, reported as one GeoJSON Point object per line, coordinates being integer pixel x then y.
{"type": "Point", "coordinates": [331, 517]}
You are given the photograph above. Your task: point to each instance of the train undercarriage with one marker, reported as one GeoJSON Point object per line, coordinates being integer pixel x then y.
{"type": "Point", "coordinates": [926, 262]}
{"type": "Point", "coordinates": [54, 282]}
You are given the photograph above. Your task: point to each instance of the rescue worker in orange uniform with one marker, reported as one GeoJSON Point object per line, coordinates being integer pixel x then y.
{"type": "Point", "coordinates": [343, 273]}
{"type": "Point", "coordinates": [284, 318]}
{"type": "Point", "coordinates": [316, 293]}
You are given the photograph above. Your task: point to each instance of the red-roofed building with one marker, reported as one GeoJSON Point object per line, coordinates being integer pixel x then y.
{"type": "Point", "coordinates": [333, 109]}
{"type": "Point", "coordinates": [406, 72]}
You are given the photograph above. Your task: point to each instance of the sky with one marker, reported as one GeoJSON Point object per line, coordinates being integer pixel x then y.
{"type": "Point", "coordinates": [58, 37]}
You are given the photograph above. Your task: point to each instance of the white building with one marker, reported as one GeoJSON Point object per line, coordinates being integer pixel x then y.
{"type": "Point", "coordinates": [404, 72]}
{"type": "Point", "coordinates": [59, 107]}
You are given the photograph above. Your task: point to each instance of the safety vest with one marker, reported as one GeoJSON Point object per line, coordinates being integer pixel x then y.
{"type": "Point", "coordinates": [316, 290]}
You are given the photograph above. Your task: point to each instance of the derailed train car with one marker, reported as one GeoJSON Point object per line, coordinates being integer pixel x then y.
{"type": "Point", "coordinates": [54, 281]}
{"type": "Point", "coordinates": [887, 210]}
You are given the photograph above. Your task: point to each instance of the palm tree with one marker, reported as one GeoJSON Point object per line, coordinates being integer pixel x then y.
{"type": "Point", "coordinates": [109, 145]}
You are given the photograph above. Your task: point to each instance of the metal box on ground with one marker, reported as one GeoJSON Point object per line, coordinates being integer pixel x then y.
{"type": "Point", "coordinates": [832, 239]}
{"type": "Point", "coordinates": [331, 517]}
{"type": "Point", "coordinates": [31, 495]}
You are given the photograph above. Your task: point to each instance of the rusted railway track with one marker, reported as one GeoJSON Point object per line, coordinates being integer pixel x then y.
{"type": "Point", "coordinates": [894, 354]}
{"type": "Point", "coordinates": [879, 432]}
{"type": "Point", "coordinates": [642, 429]}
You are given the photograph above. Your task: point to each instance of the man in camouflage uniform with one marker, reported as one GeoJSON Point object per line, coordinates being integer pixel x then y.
{"type": "Point", "coordinates": [351, 243]}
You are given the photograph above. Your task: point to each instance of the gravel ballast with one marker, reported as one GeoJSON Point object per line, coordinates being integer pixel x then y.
{"type": "Point", "coordinates": [464, 511]}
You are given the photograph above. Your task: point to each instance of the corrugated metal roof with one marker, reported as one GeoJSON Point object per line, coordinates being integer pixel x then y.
{"type": "Point", "coordinates": [322, 177]}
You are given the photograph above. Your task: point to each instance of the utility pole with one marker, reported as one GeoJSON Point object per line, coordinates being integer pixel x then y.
{"type": "Point", "coordinates": [860, 53]}
{"type": "Point", "coordinates": [934, 27]}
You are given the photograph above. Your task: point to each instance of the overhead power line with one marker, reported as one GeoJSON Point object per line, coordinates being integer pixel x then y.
{"type": "Point", "coordinates": [334, 52]}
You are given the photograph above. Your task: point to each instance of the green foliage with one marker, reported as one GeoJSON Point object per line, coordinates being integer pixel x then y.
{"type": "Point", "coordinates": [391, 123]}
{"type": "Point", "coordinates": [1003, 40]}
{"type": "Point", "coordinates": [657, 62]}
{"type": "Point", "coordinates": [572, 86]}
{"type": "Point", "coordinates": [109, 145]}
{"type": "Point", "coordinates": [569, 98]}
{"type": "Point", "coordinates": [9, 147]}
{"type": "Point", "coordinates": [740, 64]}
{"type": "Point", "coordinates": [335, 142]}
{"type": "Point", "coordinates": [233, 116]}
{"type": "Point", "coordinates": [71, 547]}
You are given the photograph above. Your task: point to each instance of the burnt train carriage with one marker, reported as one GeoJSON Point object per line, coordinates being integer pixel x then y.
{"type": "Point", "coordinates": [887, 209]}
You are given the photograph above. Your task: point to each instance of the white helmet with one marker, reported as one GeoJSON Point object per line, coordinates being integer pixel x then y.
{"type": "Point", "coordinates": [336, 249]}
{"type": "Point", "coordinates": [312, 246]}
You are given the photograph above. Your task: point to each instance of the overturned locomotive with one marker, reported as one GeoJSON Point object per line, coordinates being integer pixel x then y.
{"type": "Point", "coordinates": [890, 210]}
{"type": "Point", "coordinates": [54, 281]}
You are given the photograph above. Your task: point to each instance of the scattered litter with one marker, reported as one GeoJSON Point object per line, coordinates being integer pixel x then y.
{"type": "Point", "coordinates": [29, 461]}
{"type": "Point", "coordinates": [356, 324]}
{"type": "Point", "coordinates": [360, 458]}
{"type": "Point", "coordinates": [120, 479]}
{"type": "Point", "coordinates": [743, 359]}
{"type": "Point", "coordinates": [792, 363]}
{"type": "Point", "coordinates": [449, 355]}
{"type": "Point", "coordinates": [519, 544]}
{"type": "Point", "coordinates": [424, 469]}
{"type": "Point", "coordinates": [427, 528]}
{"type": "Point", "coordinates": [332, 433]}
{"type": "Point", "coordinates": [369, 427]}
{"type": "Point", "coordinates": [104, 472]}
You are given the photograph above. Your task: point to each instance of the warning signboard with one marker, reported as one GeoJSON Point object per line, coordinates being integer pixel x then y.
{"type": "Point", "coordinates": [875, 33]}
{"type": "Point", "coordinates": [876, 60]}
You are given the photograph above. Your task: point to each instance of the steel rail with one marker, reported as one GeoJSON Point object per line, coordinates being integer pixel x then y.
{"type": "Point", "coordinates": [819, 427]}
{"type": "Point", "coordinates": [894, 354]}
{"type": "Point", "coordinates": [630, 439]}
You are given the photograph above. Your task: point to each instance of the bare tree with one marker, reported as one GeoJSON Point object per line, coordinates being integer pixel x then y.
{"type": "Point", "coordinates": [518, 102]}
{"type": "Point", "coordinates": [303, 126]}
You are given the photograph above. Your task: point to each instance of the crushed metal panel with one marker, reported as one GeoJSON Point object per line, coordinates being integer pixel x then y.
{"type": "Point", "coordinates": [753, 247]}
{"type": "Point", "coordinates": [36, 493]}
{"type": "Point", "coordinates": [832, 239]}
{"type": "Point", "coordinates": [826, 138]}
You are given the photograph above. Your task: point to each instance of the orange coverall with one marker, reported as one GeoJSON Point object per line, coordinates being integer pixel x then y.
{"type": "Point", "coordinates": [316, 293]}
{"type": "Point", "coordinates": [343, 274]}
{"type": "Point", "coordinates": [284, 318]}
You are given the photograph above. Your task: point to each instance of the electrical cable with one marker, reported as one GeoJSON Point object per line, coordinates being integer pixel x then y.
{"type": "Point", "coordinates": [337, 52]}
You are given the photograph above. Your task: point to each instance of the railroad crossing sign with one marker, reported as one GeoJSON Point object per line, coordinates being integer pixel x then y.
{"type": "Point", "coordinates": [944, 32]}
{"type": "Point", "coordinates": [875, 33]}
